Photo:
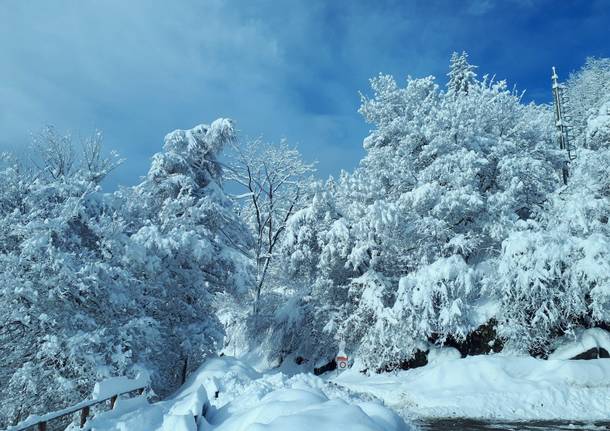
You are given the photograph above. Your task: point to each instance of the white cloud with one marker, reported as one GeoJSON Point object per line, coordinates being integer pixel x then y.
{"type": "Point", "coordinates": [79, 64]}
{"type": "Point", "coordinates": [137, 69]}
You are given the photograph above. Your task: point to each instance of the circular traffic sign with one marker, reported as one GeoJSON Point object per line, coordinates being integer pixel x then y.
{"type": "Point", "coordinates": [341, 362]}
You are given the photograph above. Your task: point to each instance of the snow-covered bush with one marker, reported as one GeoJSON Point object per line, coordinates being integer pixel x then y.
{"type": "Point", "coordinates": [437, 299]}
{"type": "Point", "coordinates": [552, 282]}
{"type": "Point", "coordinates": [598, 127]}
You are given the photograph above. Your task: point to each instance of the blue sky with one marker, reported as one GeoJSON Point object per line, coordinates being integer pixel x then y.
{"type": "Point", "coordinates": [137, 69]}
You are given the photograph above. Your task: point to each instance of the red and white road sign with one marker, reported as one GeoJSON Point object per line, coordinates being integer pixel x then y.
{"type": "Point", "coordinates": [341, 362]}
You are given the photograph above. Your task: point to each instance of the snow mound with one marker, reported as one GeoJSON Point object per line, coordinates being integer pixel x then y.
{"type": "Point", "coordinates": [235, 397]}
{"type": "Point", "coordinates": [304, 409]}
{"type": "Point", "coordinates": [582, 341]}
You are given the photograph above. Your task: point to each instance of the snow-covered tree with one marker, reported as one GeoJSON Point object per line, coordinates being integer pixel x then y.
{"type": "Point", "coordinates": [94, 285]}
{"type": "Point", "coordinates": [275, 180]}
{"type": "Point", "coordinates": [56, 155]}
{"type": "Point", "coordinates": [187, 244]}
{"type": "Point", "coordinates": [588, 90]}
{"type": "Point", "coordinates": [444, 181]}
{"type": "Point", "coordinates": [461, 74]}
{"type": "Point", "coordinates": [67, 317]}
{"type": "Point", "coordinates": [554, 270]}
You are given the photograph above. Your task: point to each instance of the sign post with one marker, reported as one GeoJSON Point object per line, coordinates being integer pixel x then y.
{"type": "Point", "coordinates": [342, 359]}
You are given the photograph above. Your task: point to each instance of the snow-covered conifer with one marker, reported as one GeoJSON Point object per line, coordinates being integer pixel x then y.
{"type": "Point", "coordinates": [461, 74]}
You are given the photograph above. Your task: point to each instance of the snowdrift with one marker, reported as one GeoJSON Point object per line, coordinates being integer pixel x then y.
{"type": "Point", "coordinates": [235, 397]}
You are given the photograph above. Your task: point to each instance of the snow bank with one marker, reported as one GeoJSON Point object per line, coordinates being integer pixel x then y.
{"type": "Point", "coordinates": [580, 342]}
{"type": "Point", "coordinates": [493, 387]}
{"type": "Point", "coordinates": [235, 397]}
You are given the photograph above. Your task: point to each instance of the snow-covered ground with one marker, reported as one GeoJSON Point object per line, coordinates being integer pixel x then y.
{"type": "Point", "coordinates": [242, 399]}
{"type": "Point", "coordinates": [493, 387]}
{"type": "Point", "coordinates": [236, 397]}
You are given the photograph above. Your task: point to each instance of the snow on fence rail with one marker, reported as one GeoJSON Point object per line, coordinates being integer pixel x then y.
{"type": "Point", "coordinates": [108, 390]}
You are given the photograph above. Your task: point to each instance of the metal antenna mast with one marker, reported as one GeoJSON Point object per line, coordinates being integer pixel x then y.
{"type": "Point", "coordinates": [562, 122]}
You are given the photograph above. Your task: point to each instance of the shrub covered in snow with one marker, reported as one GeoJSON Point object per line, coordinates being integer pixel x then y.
{"type": "Point", "coordinates": [588, 90]}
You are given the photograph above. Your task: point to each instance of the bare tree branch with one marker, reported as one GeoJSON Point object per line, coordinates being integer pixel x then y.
{"type": "Point", "coordinates": [274, 177]}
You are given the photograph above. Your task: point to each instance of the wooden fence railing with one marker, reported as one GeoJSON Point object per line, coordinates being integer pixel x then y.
{"type": "Point", "coordinates": [39, 423]}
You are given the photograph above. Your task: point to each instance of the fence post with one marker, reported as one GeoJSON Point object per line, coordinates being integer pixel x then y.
{"type": "Point", "coordinates": [113, 401]}
{"type": "Point", "coordinates": [83, 416]}
{"type": "Point", "coordinates": [185, 369]}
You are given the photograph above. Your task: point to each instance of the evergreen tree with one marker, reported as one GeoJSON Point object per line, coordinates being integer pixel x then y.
{"type": "Point", "coordinates": [461, 74]}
